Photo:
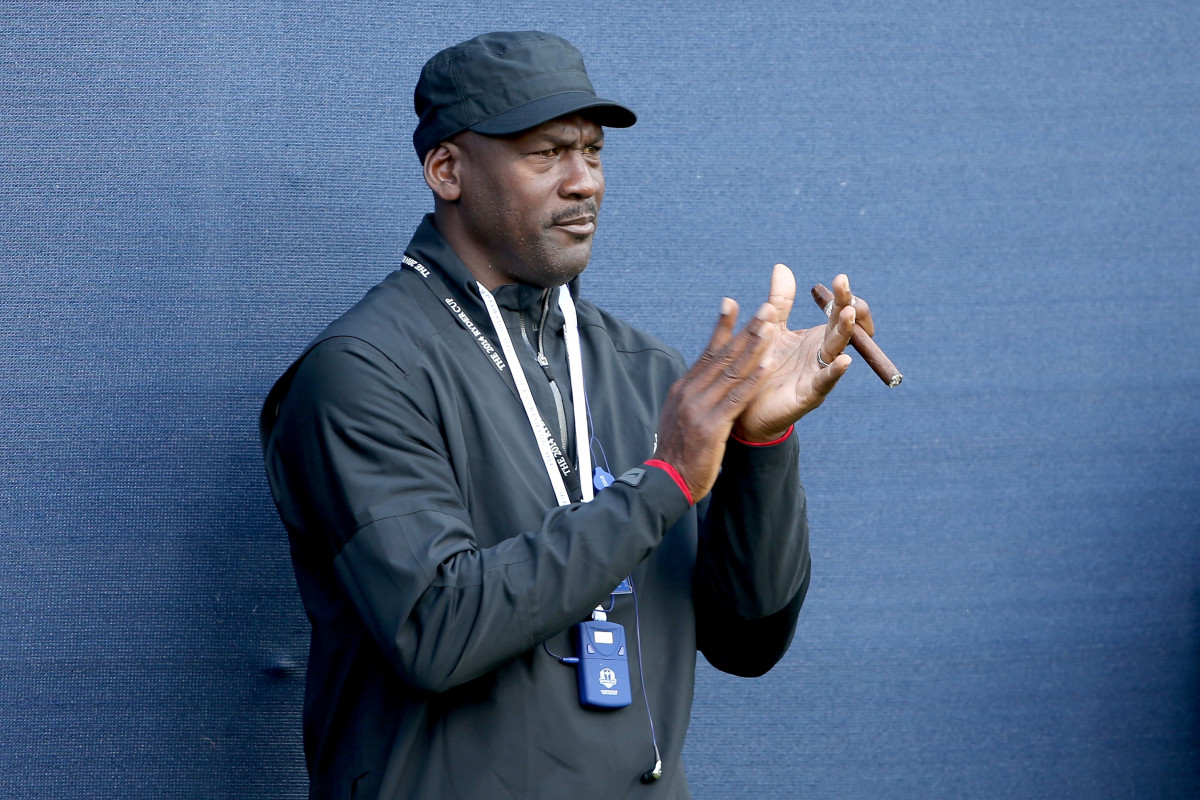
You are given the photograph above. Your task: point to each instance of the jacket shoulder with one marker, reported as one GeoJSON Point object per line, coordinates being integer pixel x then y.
{"type": "Point", "coordinates": [393, 318]}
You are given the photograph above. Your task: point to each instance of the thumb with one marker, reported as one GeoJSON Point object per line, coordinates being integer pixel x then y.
{"type": "Point", "coordinates": [783, 293]}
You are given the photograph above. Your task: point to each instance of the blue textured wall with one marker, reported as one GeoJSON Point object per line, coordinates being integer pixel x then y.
{"type": "Point", "coordinates": [1006, 599]}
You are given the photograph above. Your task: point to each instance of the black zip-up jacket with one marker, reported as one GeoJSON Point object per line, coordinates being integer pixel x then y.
{"type": "Point", "coordinates": [434, 562]}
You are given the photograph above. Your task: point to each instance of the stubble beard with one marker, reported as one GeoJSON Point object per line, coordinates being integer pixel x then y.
{"type": "Point", "coordinates": [550, 264]}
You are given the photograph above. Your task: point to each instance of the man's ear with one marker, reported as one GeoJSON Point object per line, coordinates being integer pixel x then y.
{"type": "Point", "coordinates": [442, 171]}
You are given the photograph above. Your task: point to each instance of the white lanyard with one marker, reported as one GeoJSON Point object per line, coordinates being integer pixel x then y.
{"type": "Point", "coordinates": [552, 457]}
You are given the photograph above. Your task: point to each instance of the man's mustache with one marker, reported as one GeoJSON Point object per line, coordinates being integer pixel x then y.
{"type": "Point", "coordinates": [588, 208]}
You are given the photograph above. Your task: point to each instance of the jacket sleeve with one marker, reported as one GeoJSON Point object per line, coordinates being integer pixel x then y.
{"type": "Point", "coordinates": [361, 476]}
{"type": "Point", "coordinates": [752, 566]}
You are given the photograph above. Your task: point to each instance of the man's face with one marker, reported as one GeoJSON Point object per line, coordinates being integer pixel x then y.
{"type": "Point", "coordinates": [529, 202]}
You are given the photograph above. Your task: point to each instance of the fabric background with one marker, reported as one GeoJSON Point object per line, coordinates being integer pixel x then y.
{"type": "Point", "coordinates": [1006, 595]}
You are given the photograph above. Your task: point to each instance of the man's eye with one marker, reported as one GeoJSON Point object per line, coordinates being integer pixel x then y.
{"type": "Point", "coordinates": [550, 153]}
{"type": "Point", "coordinates": [592, 150]}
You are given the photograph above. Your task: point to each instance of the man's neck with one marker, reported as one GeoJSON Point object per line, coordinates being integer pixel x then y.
{"type": "Point", "coordinates": [472, 256]}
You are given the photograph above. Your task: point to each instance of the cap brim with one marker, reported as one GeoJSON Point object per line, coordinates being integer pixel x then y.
{"type": "Point", "coordinates": [544, 109]}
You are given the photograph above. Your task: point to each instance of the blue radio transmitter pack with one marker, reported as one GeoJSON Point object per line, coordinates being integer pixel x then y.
{"type": "Point", "coordinates": [603, 668]}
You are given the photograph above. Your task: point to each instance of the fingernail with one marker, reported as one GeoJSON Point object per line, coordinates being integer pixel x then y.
{"type": "Point", "coordinates": [726, 306]}
{"type": "Point", "coordinates": [765, 312]}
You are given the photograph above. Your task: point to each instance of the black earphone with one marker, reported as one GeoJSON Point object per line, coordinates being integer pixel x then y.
{"type": "Point", "coordinates": [651, 775]}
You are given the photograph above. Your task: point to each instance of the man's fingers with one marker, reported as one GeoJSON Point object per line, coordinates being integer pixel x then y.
{"type": "Point", "coordinates": [725, 324]}
{"type": "Point", "coordinates": [783, 293]}
{"type": "Point", "coordinates": [826, 379]}
{"type": "Point", "coordinates": [719, 370]}
{"type": "Point", "coordinates": [838, 332]}
{"type": "Point", "coordinates": [835, 341]}
{"type": "Point", "coordinates": [742, 355]}
{"type": "Point", "coordinates": [723, 341]}
{"type": "Point", "coordinates": [720, 338]}
{"type": "Point", "coordinates": [843, 298]}
{"type": "Point", "coordinates": [862, 315]}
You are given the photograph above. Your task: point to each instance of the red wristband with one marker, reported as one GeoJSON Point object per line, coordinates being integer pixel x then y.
{"type": "Point", "coordinates": [786, 434]}
{"type": "Point", "coordinates": [675, 476]}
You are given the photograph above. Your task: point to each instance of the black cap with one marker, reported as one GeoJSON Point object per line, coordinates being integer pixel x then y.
{"type": "Point", "coordinates": [503, 83]}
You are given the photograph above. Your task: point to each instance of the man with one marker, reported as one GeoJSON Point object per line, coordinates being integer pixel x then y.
{"type": "Point", "coordinates": [514, 519]}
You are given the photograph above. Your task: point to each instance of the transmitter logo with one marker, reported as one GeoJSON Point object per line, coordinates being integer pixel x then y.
{"type": "Point", "coordinates": [608, 678]}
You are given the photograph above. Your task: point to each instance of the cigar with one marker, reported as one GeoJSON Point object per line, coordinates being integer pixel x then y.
{"type": "Point", "coordinates": [861, 342]}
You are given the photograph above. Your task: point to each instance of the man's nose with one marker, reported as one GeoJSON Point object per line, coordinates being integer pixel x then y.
{"type": "Point", "coordinates": [581, 179]}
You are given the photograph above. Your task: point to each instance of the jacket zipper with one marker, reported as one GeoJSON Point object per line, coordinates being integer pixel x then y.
{"type": "Point", "coordinates": [540, 355]}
